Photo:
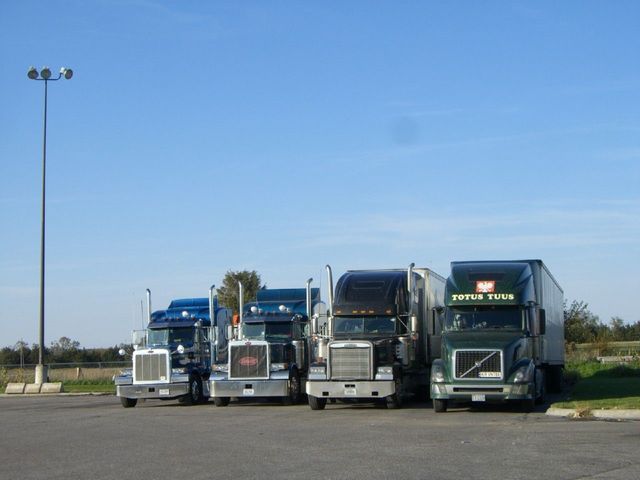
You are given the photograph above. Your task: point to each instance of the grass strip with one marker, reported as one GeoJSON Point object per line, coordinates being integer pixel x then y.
{"type": "Point", "coordinates": [602, 386]}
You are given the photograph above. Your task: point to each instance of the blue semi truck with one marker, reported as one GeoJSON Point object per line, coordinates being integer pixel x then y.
{"type": "Point", "coordinates": [181, 344]}
{"type": "Point", "coordinates": [269, 355]}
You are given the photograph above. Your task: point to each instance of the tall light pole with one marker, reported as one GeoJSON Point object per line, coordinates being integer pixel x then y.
{"type": "Point", "coordinates": [45, 76]}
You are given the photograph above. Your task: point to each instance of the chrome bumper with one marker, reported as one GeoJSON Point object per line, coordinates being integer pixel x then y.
{"type": "Point", "coordinates": [499, 391]}
{"type": "Point", "coordinates": [249, 388]}
{"type": "Point", "coordinates": [159, 390]}
{"type": "Point", "coordinates": [351, 389]}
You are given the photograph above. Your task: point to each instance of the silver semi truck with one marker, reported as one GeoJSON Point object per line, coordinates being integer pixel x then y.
{"type": "Point", "coordinates": [383, 332]}
{"type": "Point", "coordinates": [503, 335]}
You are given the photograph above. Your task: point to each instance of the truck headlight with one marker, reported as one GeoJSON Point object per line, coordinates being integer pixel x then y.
{"type": "Point", "coordinates": [220, 367]}
{"type": "Point", "coordinates": [317, 370]}
{"type": "Point", "coordinates": [384, 373]}
{"type": "Point", "coordinates": [437, 373]}
{"type": "Point", "coordinates": [178, 371]}
{"type": "Point", "coordinates": [524, 374]}
{"type": "Point", "coordinates": [276, 367]}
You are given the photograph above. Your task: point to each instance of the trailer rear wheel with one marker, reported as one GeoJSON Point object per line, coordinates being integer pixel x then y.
{"type": "Point", "coordinates": [439, 405]}
{"type": "Point", "coordinates": [128, 402]}
{"type": "Point", "coordinates": [317, 403]}
{"type": "Point", "coordinates": [221, 401]}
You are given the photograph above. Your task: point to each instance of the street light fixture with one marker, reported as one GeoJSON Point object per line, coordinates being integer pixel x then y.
{"type": "Point", "coordinates": [44, 75]}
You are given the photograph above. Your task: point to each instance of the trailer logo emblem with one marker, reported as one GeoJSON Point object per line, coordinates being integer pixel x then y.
{"type": "Point", "coordinates": [485, 286]}
{"type": "Point", "coordinates": [248, 361]}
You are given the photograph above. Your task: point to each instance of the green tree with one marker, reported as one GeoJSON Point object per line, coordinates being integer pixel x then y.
{"type": "Point", "coordinates": [580, 325]}
{"type": "Point", "coordinates": [228, 292]}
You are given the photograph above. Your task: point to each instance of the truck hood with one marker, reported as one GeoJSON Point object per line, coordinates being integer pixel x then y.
{"type": "Point", "coordinates": [499, 340]}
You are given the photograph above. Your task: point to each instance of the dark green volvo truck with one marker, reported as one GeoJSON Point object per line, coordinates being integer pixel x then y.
{"type": "Point", "coordinates": [503, 334]}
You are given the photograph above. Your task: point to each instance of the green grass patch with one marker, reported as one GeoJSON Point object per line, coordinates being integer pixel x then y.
{"type": "Point", "coordinates": [602, 386]}
{"type": "Point", "coordinates": [84, 386]}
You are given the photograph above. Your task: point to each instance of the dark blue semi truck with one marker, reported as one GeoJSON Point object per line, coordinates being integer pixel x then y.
{"type": "Point", "coordinates": [269, 355]}
{"type": "Point", "coordinates": [182, 342]}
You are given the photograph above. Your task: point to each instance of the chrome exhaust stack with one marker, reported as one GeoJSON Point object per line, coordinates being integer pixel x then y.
{"type": "Point", "coordinates": [330, 289]}
{"type": "Point", "coordinates": [314, 322]}
{"type": "Point", "coordinates": [212, 308]}
{"type": "Point", "coordinates": [330, 293]}
{"type": "Point", "coordinates": [413, 319]}
{"type": "Point", "coordinates": [148, 306]}
{"type": "Point", "coordinates": [240, 308]}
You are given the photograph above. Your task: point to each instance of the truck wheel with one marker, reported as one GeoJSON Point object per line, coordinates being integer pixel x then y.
{"type": "Point", "coordinates": [294, 389]}
{"type": "Point", "coordinates": [395, 400]}
{"type": "Point", "coordinates": [439, 406]}
{"type": "Point", "coordinates": [554, 379]}
{"type": "Point", "coordinates": [317, 403]}
{"type": "Point", "coordinates": [221, 401]}
{"type": "Point", "coordinates": [541, 395]}
{"type": "Point", "coordinates": [128, 402]}
{"type": "Point", "coordinates": [195, 395]}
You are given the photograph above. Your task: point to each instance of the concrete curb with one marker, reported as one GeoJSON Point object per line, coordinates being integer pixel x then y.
{"type": "Point", "coordinates": [594, 414]}
{"type": "Point", "coordinates": [64, 394]}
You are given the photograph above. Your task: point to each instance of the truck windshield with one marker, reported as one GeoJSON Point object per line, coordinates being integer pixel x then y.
{"type": "Point", "coordinates": [364, 325]}
{"type": "Point", "coordinates": [485, 317]}
{"type": "Point", "coordinates": [270, 331]}
{"type": "Point", "coordinates": [168, 336]}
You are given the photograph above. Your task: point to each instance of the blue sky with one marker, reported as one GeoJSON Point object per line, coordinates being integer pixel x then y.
{"type": "Point", "coordinates": [198, 137]}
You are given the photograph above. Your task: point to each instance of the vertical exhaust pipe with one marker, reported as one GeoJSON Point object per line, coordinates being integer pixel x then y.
{"type": "Point", "coordinates": [148, 306]}
{"type": "Point", "coordinates": [309, 297]}
{"type": "Point", "coordinates": [212, 308]}
{"type": "Point", "coordinates": [330, 289]}
{"type": "Point", "coordinates": [413, 319]}
{"type": "Point", "coordinates": [240, 307]}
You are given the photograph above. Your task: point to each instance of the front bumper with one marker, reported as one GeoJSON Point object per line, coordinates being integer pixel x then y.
{"type": "Point", "coordinates": [158, 390]}
{"type": "Point", "coordinates": [221, 386]}
{"type": "Point", "coordinates": [351, 389]}
{"type": "Point", "coordinates": [490, 392]}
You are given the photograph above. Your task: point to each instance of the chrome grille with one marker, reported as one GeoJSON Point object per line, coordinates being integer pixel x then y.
{"type": "Point", "coordinates": [484, 364]}
{"type": "Point", "coordinates": [248, 361]}
{"type": "Point", "coordinates": [151, 367]}
{"type": "Point", "coordinates": [348, 363]}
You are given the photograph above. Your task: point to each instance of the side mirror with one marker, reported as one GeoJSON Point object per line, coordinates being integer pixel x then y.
{"type": "Point", "coordinates": [314, 324]}
{"type": "Point", "coordinates": [542, 321]}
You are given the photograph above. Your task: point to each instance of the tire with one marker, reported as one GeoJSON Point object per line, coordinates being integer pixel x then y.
{"type": "Point", "coordinates": [527, 406]}
{"type": "Point", "coordinates": [294, 389]}
{"type": "Point", "coordinates": [439, 406]}
{"type": "Point", "coordinates": [221, 401]}
{"type": "Point", "coordinates": [317, 403]}
{"type": "Point", "coordinates": [195, 394]}
{"type": "Point", "coordinates": [128, 402]}
{"type": "Point", "coordinates": [555, 379]}
{"type": "Point", "coordinates": [541, 397]}
{"type": "Point", "coordinates": [395, 401]}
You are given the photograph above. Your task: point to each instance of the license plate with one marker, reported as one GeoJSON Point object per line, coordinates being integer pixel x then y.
{"type": "Point", "coordinates": [350, 391]}
{"type": "Point", "coordinates": [248, 391]}
{"type": "Point", "coordinates": [164, 391]}
{"type": "Point", "coordinates": [478, 397]}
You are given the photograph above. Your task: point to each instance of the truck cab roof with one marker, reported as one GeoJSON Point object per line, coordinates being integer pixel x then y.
{"type": "Point", "coordinates": [184, 312]}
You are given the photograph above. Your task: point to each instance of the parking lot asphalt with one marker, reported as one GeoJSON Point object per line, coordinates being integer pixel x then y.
{"type": "Point", "coordinates": [93, 437]}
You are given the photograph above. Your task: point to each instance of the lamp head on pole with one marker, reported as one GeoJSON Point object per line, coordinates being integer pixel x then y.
{"type": "Point", "coordinates": [32, 73]}
{"type": "Point", "coordinates": [45, 73]}
{"type": "Point", "coordinates": [66, 72]}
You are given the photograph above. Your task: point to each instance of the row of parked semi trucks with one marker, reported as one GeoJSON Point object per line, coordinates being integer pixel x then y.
{"type": "Point", "coordinates": [492, 331]}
